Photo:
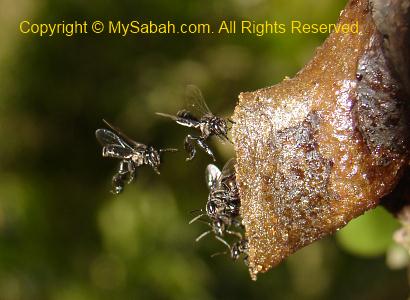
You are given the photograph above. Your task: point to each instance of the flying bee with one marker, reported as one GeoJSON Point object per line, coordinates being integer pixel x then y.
{"type": "Point", "coordinates": [199, 116]}
{"type": "Point", "coordinates": [132, 155]}
{"type": "Point", "coordinates": [222, 207]}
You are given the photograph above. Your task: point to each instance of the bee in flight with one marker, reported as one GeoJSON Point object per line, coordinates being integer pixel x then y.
{"type": "Point", "coordinates": [222, 207]}
{"type": "Point", "coordinates": [132, 155]}
{"type": "Point", "coordinates": [199, 116]}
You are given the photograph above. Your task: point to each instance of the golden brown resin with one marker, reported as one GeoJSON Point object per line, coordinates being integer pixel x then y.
{"type": "Point", "coordinates": [317, 150]}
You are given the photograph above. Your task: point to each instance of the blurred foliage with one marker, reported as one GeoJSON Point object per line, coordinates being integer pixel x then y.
{"type": "Point", "coordinates": [64, 236]}
{"type": "Point", "coordinates": [369, 235]}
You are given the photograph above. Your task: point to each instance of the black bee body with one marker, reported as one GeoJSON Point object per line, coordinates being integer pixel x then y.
{"type": "Point", "coordinates": [185, 118]}
{"type": "Point", "coordinates": [224, 199]}
{"type": "Point", "coordinates": [208, 124]}
{"type": "Point", "coordinates": [211, 125]}
{"type": "Point", "coordinates": [238, 248]}
{"type": "Point", "coordinates": [222, 207]}
{"type": "Point", "coordinates": [132, 155]}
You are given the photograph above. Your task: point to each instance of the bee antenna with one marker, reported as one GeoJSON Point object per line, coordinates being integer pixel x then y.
{"type": "Point", "coordinates": [196, 218]}
{"type": "Point", "coordinates": [206, 222]}
{"type": "Point", "coordinates": [229, 120]}
{"type": "Point", "coordinates": [195, 210]}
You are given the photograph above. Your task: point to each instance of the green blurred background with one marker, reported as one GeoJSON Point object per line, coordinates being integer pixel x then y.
{"type": "Point", "coordinates": [64, 236]}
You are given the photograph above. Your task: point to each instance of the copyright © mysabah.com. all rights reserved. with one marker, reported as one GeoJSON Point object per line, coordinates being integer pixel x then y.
{"type": "Point", "coordinates": [137, 27]}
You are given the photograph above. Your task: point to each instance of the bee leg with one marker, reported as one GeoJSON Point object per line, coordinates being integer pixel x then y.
{"type": "Point", "coordinates": [246, 260]}
{"type": "Point", "coordinates": [234, 233]}
{"type": "Point", "coordinates": [244, 249]}
{"type": "Point", "coordinates": [118, 182]}
{"type": "Point", "coordinates": [202, 235]}
{"type": "Point", "coordinates": [132, 170]}
{"type": "Point", "coordinates": [124, 175]}
{"type": "Point", "coordinates": [219, 253]}
{"type": "Point", "coordinates": [189, 146]}
{"type": "Point", "coordinates": [238, 223]}
{"type": "Point", "coordinates": [223, 241]}
{"type": "Point", "coordinates": [201, 143]}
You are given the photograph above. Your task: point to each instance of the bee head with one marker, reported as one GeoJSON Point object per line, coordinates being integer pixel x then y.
{"type": "Point", "coordinates": [211, 208]}
{"type": "Point", "coordinates": [220, 127]}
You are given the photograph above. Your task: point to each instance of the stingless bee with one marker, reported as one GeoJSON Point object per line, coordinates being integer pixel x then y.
{"type": "Point", "coordinates": [132, 155]}
{"type": "Point", "coordinates": [236, 250]}
{"type": "Point", "coordinates": [199, 116]}
{"type": "Point", "coordinates": [223, 204]}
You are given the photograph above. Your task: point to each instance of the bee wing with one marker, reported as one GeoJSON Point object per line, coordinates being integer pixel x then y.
{"type": "Point", "coordinates": [117, 151]}
{"type": "Point", "coordinates": [126, 140]}
{"type": "Point", "coordinates": [166, 116]}
{"type": "Point", "coordinates": [107, 137]}
{"type": "Point", "coordinates": [212, 175]}
{"type": "Point", "coordinates": [195, 102]}
{"type": "Point", "coordinates": [229, 168]}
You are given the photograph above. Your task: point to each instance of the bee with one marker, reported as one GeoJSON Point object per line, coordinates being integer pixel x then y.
{"type": "Point", "coordinates": [238, 248]}
{"type": "Point", "coordinates": [223, 198]}
{"type": "Point", "coordinates": [223, 204]}
{"type": "Point", "coordinates": [132, 155]}
{"type": "Point", "coordinates": [199, 116]}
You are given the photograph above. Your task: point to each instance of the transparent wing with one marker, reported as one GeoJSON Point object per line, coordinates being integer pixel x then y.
{"type": "Point", "coordinates": [107, 137]}
{"type": "Point", "coordinates": [229, 168]}
{"type": "Point", "coordinates": [130, 142]}
{"type": "Point", "coordinates": [117, 151]}
{"type": "Point", "coordinates": [195, 102]}
{"type": "Point", "coordinates": [212, 176]}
